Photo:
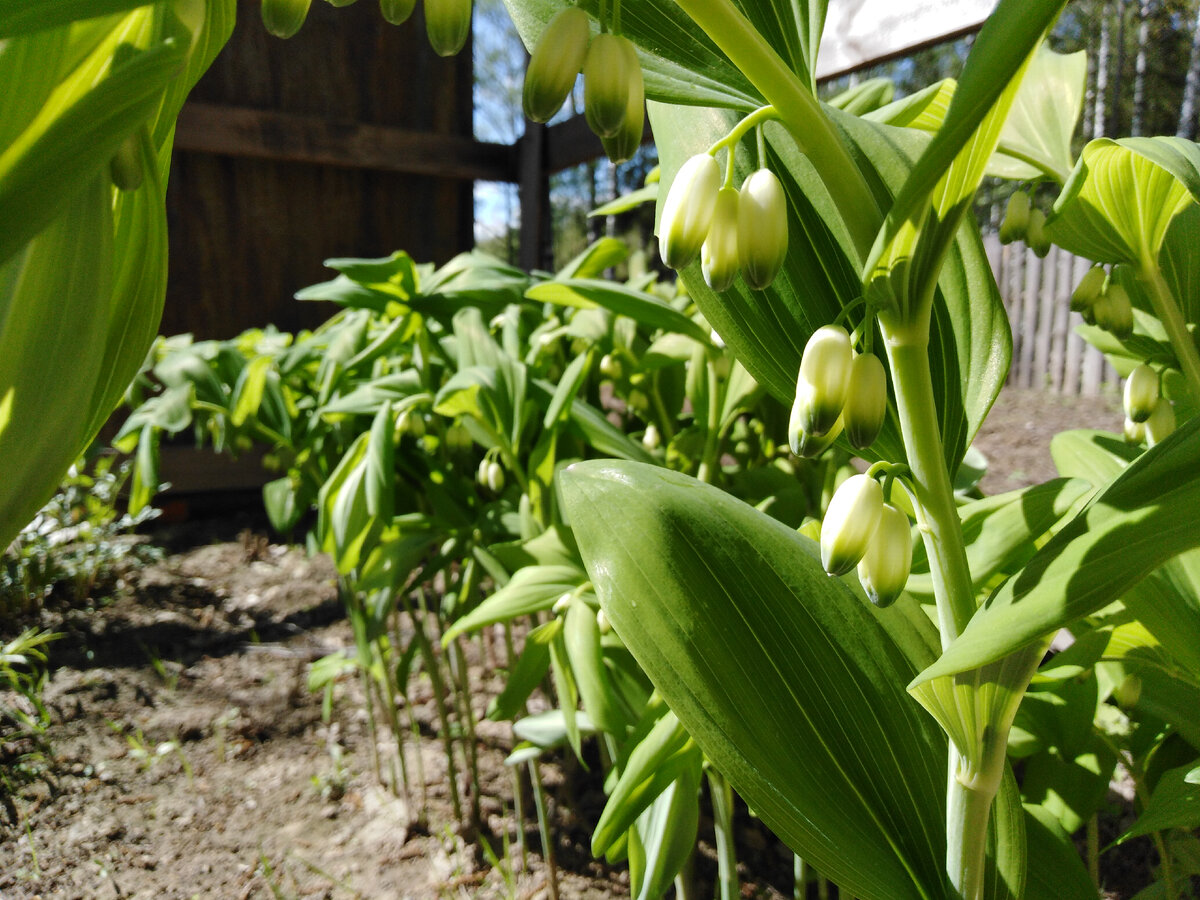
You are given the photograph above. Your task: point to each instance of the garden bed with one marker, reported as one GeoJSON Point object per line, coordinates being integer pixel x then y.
{"type": "Point", "coordinates": [188, 759]}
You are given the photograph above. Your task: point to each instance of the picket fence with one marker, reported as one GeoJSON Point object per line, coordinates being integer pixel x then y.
{"type": "Point", "coordinates": [1048, 353]}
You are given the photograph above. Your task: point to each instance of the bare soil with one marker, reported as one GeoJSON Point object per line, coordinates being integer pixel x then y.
{"type": "Point", "coordinates": [188, 759]}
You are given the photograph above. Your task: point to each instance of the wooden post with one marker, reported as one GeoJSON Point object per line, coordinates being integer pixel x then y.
{"type": "Point", "coordinates": [533, 186]}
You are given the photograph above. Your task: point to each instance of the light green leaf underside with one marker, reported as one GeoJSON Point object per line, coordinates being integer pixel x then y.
{"type": "Point", "coordinates": [760, 653]}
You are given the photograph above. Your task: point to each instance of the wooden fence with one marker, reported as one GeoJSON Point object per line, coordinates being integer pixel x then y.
{"type": "Point", "coordinates": [1047, 351]}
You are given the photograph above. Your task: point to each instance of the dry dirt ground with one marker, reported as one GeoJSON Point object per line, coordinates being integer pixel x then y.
{"type": "Point", "coordinates": [188, 759]}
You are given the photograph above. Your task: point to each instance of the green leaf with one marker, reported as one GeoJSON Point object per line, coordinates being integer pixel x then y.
{"type": "Point", "coordinates": [1036, 138]}
{"type": "Point", "coordinates": [530, 590]}
{"type": "Point", "coordinates": [586, 293]}
{"type": "Point", "coordinates": [20, 17]}
{"type": "Point", "coordinates": [548, 729]}
{"type": "Point", "coordinates": [1122, 197]}
{"type": "Point", "coordinates": [1000, 531]}
{"type": "Point", "coordinates": [910, 248]}
{"type": "Point", "coordinates": [667, 832]}
{"type": "Point", "coordinates": [1055, 871]}
{"type": "Point", "coordinates": [581, 636]}
{"type": "Point", "coordinates": [248, 392]}
{"type": "Point", "coordinates": [1148, 514]}
{"type": "Point", "coordinates": [758, 652]}
{"type": "Point", "coordinates": [1175, 803]}
{"type": "Point", "coordinates": [596, 257]}
{"type": "Point", "coordinates": [527, 674]}
{"type": "Point", "coordinates": [569, 383]}
{"type": "Point", "coordinates": [626, 202]}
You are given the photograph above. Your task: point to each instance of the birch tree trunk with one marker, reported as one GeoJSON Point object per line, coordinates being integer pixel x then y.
{"type": "Point", "coordinates": [1139, 69]}
{"type": "Point", "coordinates": [1187, 110]}
{"type": "Point", "coordinates": [1098, 114]}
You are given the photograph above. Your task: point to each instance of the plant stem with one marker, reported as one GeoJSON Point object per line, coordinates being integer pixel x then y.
{"type": "Point", "coordinates": [722, 807]}
{"type": "Point", "coordinates": [798, 110]}
{"type": "Point", "coordinates": [1167, 309]}
{"type": "Point", "coordinates": [539, 801]}
{"type": "Point", "coordinates": [967, 807]}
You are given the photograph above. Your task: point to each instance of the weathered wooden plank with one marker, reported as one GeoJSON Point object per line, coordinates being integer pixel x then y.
{"type": "Point", "coordinates": [1029, 314]}
{"type": "Point", "coordinates": [1048, 300]}
{"type": "Point", "coordinates": [290, 137]}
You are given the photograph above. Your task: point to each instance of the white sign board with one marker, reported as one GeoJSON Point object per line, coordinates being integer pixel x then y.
{"type": "Point", "coordinates": [860, 31]}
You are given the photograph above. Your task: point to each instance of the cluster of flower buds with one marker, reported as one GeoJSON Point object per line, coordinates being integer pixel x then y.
{"type": "Point", "coordinates": [1149, 416]}
{"type": "Point", "coordinates": [836, 389]}
{"type": "Point", "coordinates": [1023, 221]}
{"type": "Point", "coordinates": [860, 529]}
{"type": "Point", "coordinates": [1101, 300]}
{"type": "Point", "coordinates": [447, 22]}
{"type": "Point", "coordinates": [613, 91]}
{"type": "Point", "coordinates": [490, 475]}
{"type": "Point", "coordinates": [733, 231]}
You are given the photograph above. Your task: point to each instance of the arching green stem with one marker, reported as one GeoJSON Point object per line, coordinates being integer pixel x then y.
{"type": "Point", "coordinates": [1167, 309]}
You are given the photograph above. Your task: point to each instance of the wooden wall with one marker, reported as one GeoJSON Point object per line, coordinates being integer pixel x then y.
{"type": "Point", "coordinates": [290, 152]}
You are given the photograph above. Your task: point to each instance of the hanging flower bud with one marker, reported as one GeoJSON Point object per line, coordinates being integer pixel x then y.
{"type": "Point", "coordinates": [397, 12]}
{"type": "Point", "coordinates": [495, 477]}
{"type": "Point", "coordinates": [809, 446]}
{"type": "Point", "coordinates": [650, 438]}
{"type": "Point", "coordinates": [283, 18]}
{"type": "Point", "coordinates": [1161, 422]}
{"type": "Point", "coordinates": [1135, 432]}
{"type": "Point", "coordinates": [611, 366]}
{"type": "Point", "coordinates": [481, 474]}
{"type": "Point", "coordinates": [1088, 289]}
{"type": "Point", "coordinates": [688, 210]}
{"type": "Point", "coordinates": [556, 60]}
{"type": "Point", "coordinates": [824, 376]}
{"type": "Point", "coordinates": [719, 254]}
{"type": "Point", "coordinates": [883, 570]}
{"type": "Point", "coordinates": [125, 167]}
{"type": "Point", "coordinates": [1141, 393]}
{"type": "Point", "coordinates": [625, 143]}
{"type": "Point", "coordinates": [1016, 218]}
{"type": "Point", "coordinates": [762, 229]}
{"type": "Point", "coordinates": [448, 25]}
{"type": "Point", "coordinates": [1116, 315]}
{"type": "Point", "coordinates": [605, 85]}
{"type": "Point", "coordinates": [850, 523]}
{"type": "Point", "coordinates": [866, 400]}
{"type": "Point", "coordinates": [1035, 233]}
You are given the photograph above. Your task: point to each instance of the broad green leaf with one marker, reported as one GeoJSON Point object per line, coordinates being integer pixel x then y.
{"type": "Point", "coordinates": [1055, 871]}
{"type": "Point", "coordinates": [1175, 803]}
{"type": "Point", "coordinates": [49, 292]}
{"type": "Point", "coordinates": [601, 434]}
{"type": "Point", "coordinates": [1036, 138]}
{"type": "Point", "coordinates": [758, 652]}
{"type": "Point", "coordinates": [549, 729]}
{"type": "Point", "coordinates": [18, 17]}
{"type": "Point", "coordinates": [248, 392]}
{"type": "Point", "coordinates": [64, 148]}
{"type": "Point", "coordinates": [1122, 197]}
{"type": "Point", "coordinates": [924, 110]}
{"type": "Point", "coordinates": [530, 590]}
{"type": "Point", "coordinates": [527, 674]}
{"type": "Point", "coordinates": [865, 97]}
{"type": "Point", "coordinates": [586, 293]}
{"type": "Point", "coordinates": [1070, 786]}
{"type": "Point", "coordinates": [346, 292]}
{"type": "Point", "coordinates": [569, 383]}
{"type": "Point", "coordinates": [1006, 849]}
{"type": "Point", "coordinates": [1148, 514]}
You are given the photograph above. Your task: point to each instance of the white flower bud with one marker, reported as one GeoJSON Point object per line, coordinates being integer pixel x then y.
{"type": "Point", "coordinates": [883, 570]}
{"type": "Point", "coordinates": [1135, 432]}
{"type": "Point", "coordinates": [1116, 314]}
{"type": "Point", "coordinates": [688, 210]}
{"type": "Point", "coordinates": [850, 523]}
{"type": "Point", "coordinates": [624, 144]}
{"type": "Point", "coordinates": [719, 254]}
{"type": "Point", "coordinates": [823, 379]}
{"type": "Point", "coordinates": [283, 18]}
{"type": "Point", "coordinates": [1141, 393]}
{"type": "Point", "coordinates": [556, 60]}
{"type": "Point", "coordinates": [762, 229]}
{"type": "Point", "coordinates": [1161, 422]}
{"type": "Point", "coordinates": [866, 400]}
{"type": "Point", "coordinates": [397, 12]}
